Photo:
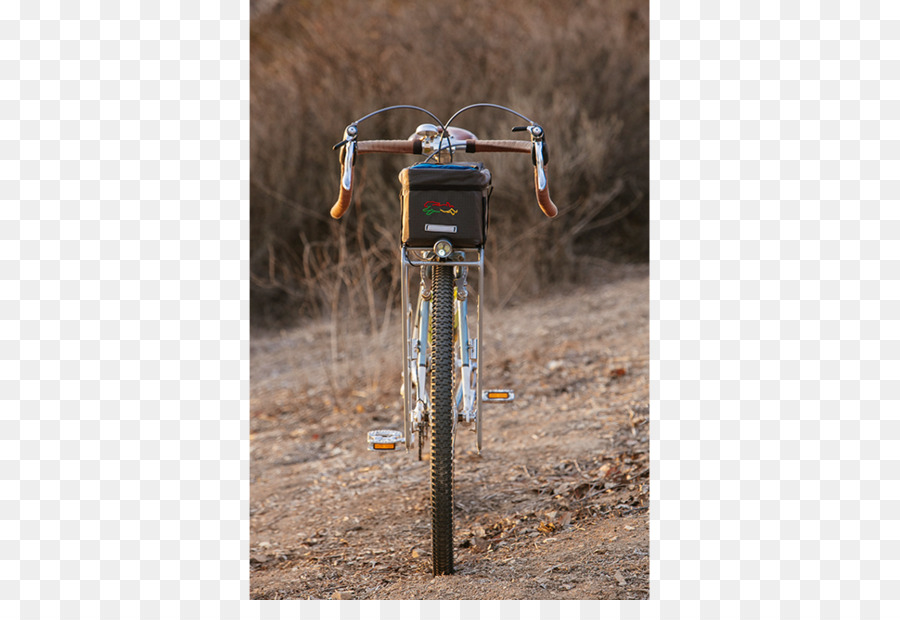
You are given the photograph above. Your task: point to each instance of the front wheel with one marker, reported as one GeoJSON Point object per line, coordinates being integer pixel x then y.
{"type": "Point", "coordinates": [441, 419]}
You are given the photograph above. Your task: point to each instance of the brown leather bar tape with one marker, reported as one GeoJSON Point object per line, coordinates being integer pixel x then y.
{"type": "Point", "coordinates": [343, 202]}
{"type": "Point", "coordinates": [411, 147]}
{"type": "Point", "coordinates": [543, 196]}
{"type": "Point", "coordinates": [498, 146]}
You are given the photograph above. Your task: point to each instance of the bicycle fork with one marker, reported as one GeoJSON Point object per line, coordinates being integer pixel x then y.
{"type": "Point", "coordinates": [416, 394]}
{"type": "Point", "coordinates": [468, 353]}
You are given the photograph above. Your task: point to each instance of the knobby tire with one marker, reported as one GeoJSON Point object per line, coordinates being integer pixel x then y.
{"type": "Point", "coordinates": [441, 420]}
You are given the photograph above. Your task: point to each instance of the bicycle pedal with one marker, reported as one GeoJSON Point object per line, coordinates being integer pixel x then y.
{"type": "Point", "coordinates": [385, 440]}
{"type": "Point", "coordinates": [497, 396]}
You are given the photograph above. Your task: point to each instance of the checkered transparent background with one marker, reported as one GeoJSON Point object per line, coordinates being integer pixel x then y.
{"type": "Point", "coordinates": [124, 318]}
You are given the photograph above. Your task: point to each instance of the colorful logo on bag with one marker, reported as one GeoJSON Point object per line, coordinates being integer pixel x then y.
{"type": "Point", "coordinates": [432, 207]}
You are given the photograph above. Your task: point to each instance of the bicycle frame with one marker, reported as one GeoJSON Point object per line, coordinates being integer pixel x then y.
{"type": "Point", "coordinates": [468, 354]}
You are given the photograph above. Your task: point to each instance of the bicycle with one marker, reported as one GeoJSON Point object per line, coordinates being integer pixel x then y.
{"type": "Point", "coordinates": [444, 208]}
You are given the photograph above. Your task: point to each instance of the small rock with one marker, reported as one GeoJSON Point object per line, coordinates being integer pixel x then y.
{"type": "Point", "coordinates": [628, 527]}
{"type": "Point", "coordinates": [342, 595]}
{"type": "Point", "coordinates": [620, 578]}
{"type": "Point", "coordinates": [264, 545]}
{"type": "Point", "coordinates": [555, 364]}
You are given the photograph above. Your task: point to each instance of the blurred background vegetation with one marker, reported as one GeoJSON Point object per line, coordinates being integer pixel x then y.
{"type": "Point", "coordinates": [577, 67]}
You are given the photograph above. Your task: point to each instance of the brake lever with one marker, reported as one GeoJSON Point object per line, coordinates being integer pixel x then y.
{"type": "Point", "coordinates": [539, 163]}
{"type": "Point", "coordinates": [348, 154]}
{"type": "Point", "coordinates": [349, 157]}
{"type": "Point", "coordinates": [538, 153]}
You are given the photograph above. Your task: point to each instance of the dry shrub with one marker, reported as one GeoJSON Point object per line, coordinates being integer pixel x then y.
{"type": "Point", "coordinates": [580, 68]}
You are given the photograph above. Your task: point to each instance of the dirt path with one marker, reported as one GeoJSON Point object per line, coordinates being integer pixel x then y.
{"type": "Point", "coordinates": [556, 507]}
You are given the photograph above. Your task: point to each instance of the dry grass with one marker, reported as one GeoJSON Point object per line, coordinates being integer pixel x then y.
{"type": "Point", "coordinates": [578, 68]}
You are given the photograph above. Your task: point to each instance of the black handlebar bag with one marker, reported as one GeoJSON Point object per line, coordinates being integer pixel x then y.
{"type": "Point", "coordinates": [445, 201]}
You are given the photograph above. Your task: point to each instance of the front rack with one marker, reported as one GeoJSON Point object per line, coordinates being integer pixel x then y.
{"type": "Point", "coordinates": [418, 260]}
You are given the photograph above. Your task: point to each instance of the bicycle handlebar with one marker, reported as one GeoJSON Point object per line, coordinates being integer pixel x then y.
{"type": "Point", "coordinates": [541, 187]}
{"type": "Point", "coordinates": [343, 202]}
{"type": "Point", "coordinates": [410, 147]}
{"type": "Point", "coordinates": [348, 155]}
{"type": "Point", "coordinates": [498, 146]}
{"type": "Point", "coordinates": [414, 147]}
{"type": "Point", "coordinates": [543, 195]}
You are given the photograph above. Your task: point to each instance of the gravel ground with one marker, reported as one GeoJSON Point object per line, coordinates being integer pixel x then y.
{"type": "Point", "coordinates": [555, 507]}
